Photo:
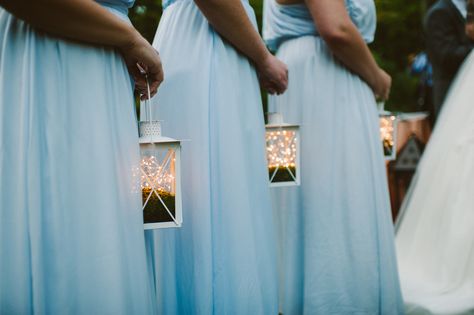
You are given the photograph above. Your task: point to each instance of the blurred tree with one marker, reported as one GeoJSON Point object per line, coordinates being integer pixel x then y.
{"type": "Point", "coordinates": [145, 16]}
{"type": "Point", "coordinates": [399, 37]}
{"type": "Point", "coordinates": [258, 7]}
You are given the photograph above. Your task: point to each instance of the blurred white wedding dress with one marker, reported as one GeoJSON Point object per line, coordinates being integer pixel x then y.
{"type": "Point", "coordinates": [435, 231]}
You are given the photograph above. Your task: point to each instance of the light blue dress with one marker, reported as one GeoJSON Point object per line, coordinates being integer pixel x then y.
{"type": "Point", "coordinates": [71, 233]}
{"type": "Point", "coordinates": [335, 230]}
{"type": "Point", "coordinates": [222, 261]}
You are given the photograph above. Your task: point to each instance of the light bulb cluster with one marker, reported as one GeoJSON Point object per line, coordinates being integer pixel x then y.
{"type": "Point", "coordinates": [281, 148]}
{"type": "Point", "coordinates": [387, 128]}
{"type": "Point", "coordinates": [155, 175]}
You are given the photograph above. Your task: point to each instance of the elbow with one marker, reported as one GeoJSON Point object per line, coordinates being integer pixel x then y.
{"type": "Point", "coordinates": [336, 35]}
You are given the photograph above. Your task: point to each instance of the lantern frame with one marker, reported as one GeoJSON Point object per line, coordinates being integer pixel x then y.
{"type": "Point", "coordinates": [389, 135]}
{"type": "Point", "coordinates": [276, 124]}
{"type": "Point", "coordinates": [150, 136]}
{"type": "Point", "coordinates": [151, 139]}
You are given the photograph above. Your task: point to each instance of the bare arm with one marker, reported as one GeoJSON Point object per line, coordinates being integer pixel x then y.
{"type": "Point", "coordinates": [225, 15]}
{"type": "Point", "coordinates": [83, 20]}
{"type": "Point", "coordinates": [230, 20]}
{"type": "Point", "coordinates": [87, 21]}
{"type": "Point", "coordinates": [346, 43]}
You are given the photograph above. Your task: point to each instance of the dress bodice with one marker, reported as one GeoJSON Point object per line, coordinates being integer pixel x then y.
{"type": "Point", "coordinates": [282, 22]}
{"type": "Point", "coordinates": [120, 5]}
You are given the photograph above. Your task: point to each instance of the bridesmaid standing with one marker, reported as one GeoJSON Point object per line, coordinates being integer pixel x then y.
{"type": "Point", "coordinates": [336, 231]}
{"type": "Point", "coordinates": [71, 233]}
{"type": "Point", "coordinates": [222, 260]}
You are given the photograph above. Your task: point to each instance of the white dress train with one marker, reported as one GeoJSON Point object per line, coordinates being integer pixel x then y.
{"type": "Point", "coordinates": [435, 232]}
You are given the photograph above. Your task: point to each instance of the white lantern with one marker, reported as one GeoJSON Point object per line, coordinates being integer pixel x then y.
{"type": "Point", "coordinates": [159, 174]}
{"type": "Point", "coordinates": [388, 134]}
{"type": "Point", "coordinates": [283, 151]}
{"type": "Point", "coordinates": [160, 177]}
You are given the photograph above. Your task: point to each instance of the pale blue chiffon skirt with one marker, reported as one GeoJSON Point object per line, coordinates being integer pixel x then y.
{"type": "Point", "coordinates": [223, 259]}
{"type": "Point", "coordinates": [336, 235]}
{"type": "Point", "coordinates": [71, 235]}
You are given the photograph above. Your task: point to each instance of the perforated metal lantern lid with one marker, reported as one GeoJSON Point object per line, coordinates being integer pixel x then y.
{"type": "Point", "coordinates": [150, 132]}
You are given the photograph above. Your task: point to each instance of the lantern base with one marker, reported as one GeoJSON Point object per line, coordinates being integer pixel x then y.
{"type": "Point", "coordinates": [155, 211]}
{"type": "Point", "coordinates": [282, 174]}
{"type": "Point", "coordinates": [387, 148]}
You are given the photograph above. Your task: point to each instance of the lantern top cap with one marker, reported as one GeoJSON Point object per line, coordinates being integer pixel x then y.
{"type": "Point", "coordinates": [275, 120]}
{"type": "Point", "coordinates": [150, 132]}
{"type": "Point", "coordinates": [283, 125]}
{"type": "Point", "coordinates": [150, 128]}
{"type": "Point", "coordinates": [157, 139]}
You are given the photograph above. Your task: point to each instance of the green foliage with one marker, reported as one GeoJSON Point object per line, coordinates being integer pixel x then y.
{"type": "Point", "coordinates": [399, 30]}
{"type": "Point", "coordinates": [258, 8]}
{"type": "Point", "coordinates": [399, 37]}
{"type": "Point", "coordinates": [145, 16]}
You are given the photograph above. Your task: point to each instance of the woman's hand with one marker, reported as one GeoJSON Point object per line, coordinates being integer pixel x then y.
{"type": "Point", "coordinates": [229, 18]}
{"type": "Point", "coordinates": [140, 54]}
{"type": "Point", "coordinates": [381, 85]}
{"type": "Point", "coordinates": [273, 75]}
{"type": "Point", "coordinates": [470, 30]}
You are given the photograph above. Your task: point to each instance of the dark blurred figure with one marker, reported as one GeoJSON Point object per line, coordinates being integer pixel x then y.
{"type": "Point", "coordinates": [447, 44]}
{"type": "Point", "coordinates": [421, 67]}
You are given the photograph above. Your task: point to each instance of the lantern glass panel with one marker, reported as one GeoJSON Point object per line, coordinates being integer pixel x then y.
{"type": "Point", "coordinates": [158, 177]}
{"type": "Point", "coordinates": [388, 127]}
{"type": "Point", "coordinates": [282, 155]}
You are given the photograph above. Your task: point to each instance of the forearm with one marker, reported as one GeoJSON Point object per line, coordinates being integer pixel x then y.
{"type": "Point", "coordinates": [82, 20]}
{"type": "Point", "coordinates": [230, 20]}
{"type": "Point", "coordinates": [343, 38]}
{"type": "Point", "coordinates": [353, 52]}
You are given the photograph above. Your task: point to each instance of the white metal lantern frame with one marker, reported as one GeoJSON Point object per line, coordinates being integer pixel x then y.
{"type": "Point", "coordinates": [160, 173]}
{"type": "Point", "coordinates": [280, 137]}
{"type": "Point", "coordinates": [388, 134]}
{"type": "Point", "coordinates": [167, 166]}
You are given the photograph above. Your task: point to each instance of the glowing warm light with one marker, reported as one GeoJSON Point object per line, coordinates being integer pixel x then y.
{"type": "Point", "coordinates": [281, 148]}
{"type": "Point", "coordinates": [387, 133]}
{"type": "Point", "coordinates": [156, 174]}
{"type": "Point", "coordinates": [282, 154]}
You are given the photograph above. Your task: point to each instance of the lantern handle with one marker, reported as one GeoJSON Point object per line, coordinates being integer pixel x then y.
{"type": "Point", "coordinates": [279, 111]}
{"type": "Point", "coordinates": [147, 101]}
